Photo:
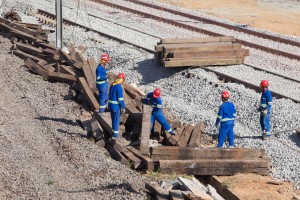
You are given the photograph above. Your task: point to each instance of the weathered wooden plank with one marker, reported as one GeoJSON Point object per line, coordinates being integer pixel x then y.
{"type": "Point", "coordinates": [160, 47]}
{"type": "Point", "coordinates": [203, 48]}
{"type": "Point", "coordinates": [116, 154]}
{"type": "Point", "coordinates": [36, 68]}
{"type": "Point", "coordinates": [215, 53]}
{"type": "Point", "coordinates": [136, 163]}
{"type": "Point", "coordinates": [236, 57]}
{"type": "Point", "coordinates": [105, 121]}
{"type": "Point", "coordinates": [157, 130]}
{"type": "Point", "coordinates": [204, 62]}
{"type": "Point", "coordinates": [174, 138]}
{"type": "Point", "coordinates": [148, 162]}
{"type": "Point", "coordinates": [196, 135]}
{"type": "Point", "coordinates": [175, 195]}
{"type": "Point", "coordinates": [24, 56]}
{"type": "Point", "coordinates": [56, 76]}
{"type": "Point", "coordinates": [155, 189]}
{"type": "Point", "coordinates": [208, 153]}
{"type": "Point", "coordinates": [29, 25]}
{"type": "Point", "coordinates": [197, 40]}
{"type": "Point", "coordinates": [93, 66]}
{"type": "Point", "coordinates": [134, 113]}
{"type": "Point", "coordinates": [145, 133]}
{"type": "Point", "coordinates": [89, 75]}
{"type": "Point", "coordinates": [185, 136]}
{"type": "Point", "coordinates": [69, 60]}
{"type": "Point", "coordinates": [195, 187]}
{"type": "Point", "coordinates": [67, 70]}
{"type": "Point", "coordinates": [28, 48]}
{"type": "Point", "coordinates": [89, 94]}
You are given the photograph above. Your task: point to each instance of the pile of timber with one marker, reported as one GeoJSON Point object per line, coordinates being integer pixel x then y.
{"type": "Point", "coordinates": [208, 51]}
{"type": "Point", "coordinates": [30, 43]}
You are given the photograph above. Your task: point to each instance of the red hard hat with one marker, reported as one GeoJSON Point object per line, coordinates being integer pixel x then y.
{"type": "Point", "coordinates": [156, 93]}
{"type": "Point", "coordinates": [121, 75]}
{"type": "Point", "coordinates": [225, 95]}
{"type": "Point", "coordinates": [264, 83]}
{"type": "Point", "coordinates": [105, 57]}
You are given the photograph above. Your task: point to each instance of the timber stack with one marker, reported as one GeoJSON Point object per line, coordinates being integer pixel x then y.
{"type": "Point", "coordinates": [182, 153]}
{"type": "Point", "coordinates": [208, 51]}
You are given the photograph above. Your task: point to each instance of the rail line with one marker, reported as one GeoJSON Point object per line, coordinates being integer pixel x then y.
{"type": "Point", "coordinates": [196, 29]}
{"type": "Point", "coordinates": [221, 75]}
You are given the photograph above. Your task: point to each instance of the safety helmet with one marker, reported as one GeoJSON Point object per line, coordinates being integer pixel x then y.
{"type": "Point", "coordinates": [121, 75]}
{"type": "Point", "coordinates": [225, 95]}
{"type": "Point", "coordinates": [156, 93]}
{"type": "Point", "coordinates": [105, 57]}
{"type": "Point", "coordinates": [264, 83]}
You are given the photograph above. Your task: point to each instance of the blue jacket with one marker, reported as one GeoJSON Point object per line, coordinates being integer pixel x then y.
{"type": "Point", "coordinates": [115, 97]}
{"type": "Point", "coordinates": [155, 103]}
{"type": "Point", "coordinates": [266, 101]}
{"type": "Point", "coordinates": [101, 74]}
{"type": "Point", "coordinates": [226, 114]}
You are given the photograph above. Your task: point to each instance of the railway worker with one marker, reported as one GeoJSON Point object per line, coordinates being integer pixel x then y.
{"type": "Point", "coordinates": [265, 109]}
{"type": "Point", "coordinates": [101, 82]}
{"type": "Point", "coordinates": [154, 100]}
{"type": "Point", "coordinates": [116, 103]}
{"type": "Point", "coordinates": [226, 117]}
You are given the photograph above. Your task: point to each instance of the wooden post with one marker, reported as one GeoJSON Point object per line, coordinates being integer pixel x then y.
{"type": "Point", "coordinates": [145, 133]}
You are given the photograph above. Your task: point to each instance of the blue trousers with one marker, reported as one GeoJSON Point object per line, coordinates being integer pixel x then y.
{"type": "Point", "coordinates": [224, 132]}
{"type": "Point", "coordinates": [160, 118]}
{"type": "Point", "coordinates": [265, 122]}
{"type": "Point", "coordinates": [103, 96]}
{"type": "Point", "coordinates": [115, 120]}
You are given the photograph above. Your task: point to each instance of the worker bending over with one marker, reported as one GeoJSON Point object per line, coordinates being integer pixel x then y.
{"type": "Point", "coordinates": [265, 109]}
{"type": "Point", "coordinates": [226, 116]}
{"type": "Point", "coordinates": [101, 82]}
{"type": "Point", "coordinates": [116, 103]}
{"type": "Point", "coordinates": [153, 98]}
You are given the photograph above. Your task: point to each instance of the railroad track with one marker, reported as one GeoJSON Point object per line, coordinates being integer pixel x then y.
{"type": "Point", "coordinates": [51, 17]}
{"type": "Point", "coordinates": [203, 31]}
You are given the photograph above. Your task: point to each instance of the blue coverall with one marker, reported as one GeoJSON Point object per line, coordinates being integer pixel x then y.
{"type": "Point", "coordinates": [102, 86]}
{"type": "Point", "coordinates": [115, 104]}
{"type": "Point", "coordinates": [265, 104]}
{"type": "Point", "coordinates": [226, 116]}
{"type": "Point", "coordinates": [157, 114]}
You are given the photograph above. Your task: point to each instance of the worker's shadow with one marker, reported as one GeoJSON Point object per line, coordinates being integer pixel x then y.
{"type": "Point", "coordinates": [295, 138]}
{"type": "Point", "coordinates": [248, 137]}
{"type": "Point", "coordinates": [151, 71]}
{"type": "Point", "coordinates": [62, 120]}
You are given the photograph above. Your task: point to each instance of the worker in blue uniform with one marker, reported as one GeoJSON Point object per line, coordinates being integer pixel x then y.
{"type": "Point", "coordinates": [102, 83]}
{"type": "Point", "coordinates": [226, 117]}
{"type": "Point", "coordinates": [153, 98]}
{"type": "Point", "coordinates": [265, 109]}
{"type": "Point", "coordinates": [116, 103]}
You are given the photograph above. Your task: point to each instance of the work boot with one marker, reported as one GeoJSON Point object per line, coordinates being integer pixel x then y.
{"type": "Point", "coordinates": [231, 147]}
{"type": "Point", "coordinates": [172, 132]}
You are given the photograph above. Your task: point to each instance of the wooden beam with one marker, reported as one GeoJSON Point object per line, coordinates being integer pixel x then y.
{"type": "Point", "coordinates": [203, 48]}
{"type": "Point", "coordinates": [174, 138]}
{"type": "Point", "coordinates": [148, 162]}
{"type": "Point", "coordinates": [215, 53]}
{"type": "Point", "coordinates": [89, 94]}
{"type": "Point", "coordinates": [89, 75]}
{"type": "Point", "coordinates": [195, 187]}
{"type": "Point", "coordinates": [105, 121]}
{"type": "Point", "coordinates": [185, 136]}
{"type": "Point", "coordinates": [36, 68]}
{"type": "Point", "coordinates": [145, 133]}
{"type": "Point", "coordinates": [56, 76]}
{"type": "Point", "coordinates": [175, 195]}
{"type": "Point", "coordinates": [202, 62]}
{"type": "Point", "coordinates": [93, 66]}
{"type": "Point", "coordinates": [214, 167]}
{"type": "Point", "coordinates": [136, 163]}
{"type": "Point", "coordinates": [236, 57]}
{"type": "Point", "coordinates": [160, 47]}
{"type": "Point", "coordinates": [116, 154]}
{"type": "Point", "coordinates": [24, 56]}
{"type": "Point", "coordinates": [155, 189]}
{"type": "Point", "coordinates": [196, 135]}
{"type": "Point", "coordinates": [197, 40]}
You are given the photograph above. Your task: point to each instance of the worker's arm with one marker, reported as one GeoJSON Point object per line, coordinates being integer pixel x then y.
{"type": "Point", "coordinates": [159, 103]}
{"type": "Point", "coordinates": [220, 116]}
{"type": "Point", "coordinates": [146, 99]}
{"type": "Point", "coordinates": [120, 97]}
{"type": "Point", "coordinates": [269, 101]}
{"type": "Point", "coordinates": [234, 112]}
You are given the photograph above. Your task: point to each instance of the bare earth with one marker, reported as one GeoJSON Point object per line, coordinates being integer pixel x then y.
{"type": "Point", "coordinates": [275, 15]}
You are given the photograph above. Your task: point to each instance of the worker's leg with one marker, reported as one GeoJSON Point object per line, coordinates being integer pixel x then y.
{"type": "Point", "coordinates": [222, 135]}
{"type": "Point", "coordinates": [230, 134]}
{"type": "Point", "coordinates": [152, 123]}
{"type": "Point", "coordinates": [262, 124]}
{"type": "Point", "coordinates": [164, 123]}
{"type": "Point", "coordinates": [267, 124]}
{"type": "Point", "coordinates": [115, 119]}
{"type": "Point", "coordinates": [103, 96]}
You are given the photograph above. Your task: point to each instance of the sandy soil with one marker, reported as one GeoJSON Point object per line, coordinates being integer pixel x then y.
{"type": "Point", "coordinates": [275, 15]}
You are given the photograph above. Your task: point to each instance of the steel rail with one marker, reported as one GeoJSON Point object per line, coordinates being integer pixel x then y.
{"type": "Point", "coordinates": [196, 29]}
{"type": "Point", "coordinates": [225, 25]}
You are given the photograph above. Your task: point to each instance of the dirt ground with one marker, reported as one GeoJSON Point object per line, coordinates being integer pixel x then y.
{"type": "Point", "coordinates": [275, 15]}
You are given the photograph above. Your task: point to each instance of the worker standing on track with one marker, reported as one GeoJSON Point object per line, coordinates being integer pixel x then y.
{"type": "Point", "coordinates": [116, 103]}
{"type": "Point", "coordinates": [153, 98]}
{"type": "Point", "coordinates": [265, 109]}
{"type": "Point", "coordinates": [101, 82]}
{"type": "Point", "coordinates": [226, 116]}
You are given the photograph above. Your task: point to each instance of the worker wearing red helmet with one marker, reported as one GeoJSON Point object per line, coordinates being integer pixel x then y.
{"type": "Point", "coordinates": [265, 109]}
{"type": "Point", "coordinates": [153, 98]}
{"type": "Point", "coordinates": [116, 103]}
{"type": "Point", "coordinates": [226, 117]}
{"type": "Point", "coordinates": [101, 82]}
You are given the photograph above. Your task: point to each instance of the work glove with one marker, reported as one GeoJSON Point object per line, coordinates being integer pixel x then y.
{"type": "Point", "coordinates": [265, 112]}
{"type": "Point", "coordinates": [123, 111]}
